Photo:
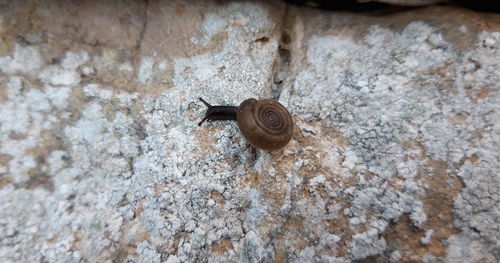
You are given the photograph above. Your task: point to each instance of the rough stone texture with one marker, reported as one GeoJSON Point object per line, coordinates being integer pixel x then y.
{"type": "Point", "coordinates": [394, 159]}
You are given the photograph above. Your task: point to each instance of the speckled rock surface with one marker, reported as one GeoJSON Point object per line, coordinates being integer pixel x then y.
{"type": "Point", "coordinates": [394, 158]}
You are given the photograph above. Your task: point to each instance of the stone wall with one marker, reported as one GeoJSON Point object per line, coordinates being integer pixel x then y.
{"type": "Point", "coordinates": [395, 156]}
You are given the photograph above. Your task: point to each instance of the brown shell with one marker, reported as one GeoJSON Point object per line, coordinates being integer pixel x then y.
{"type": "Point", "coordinates": [266, 124]}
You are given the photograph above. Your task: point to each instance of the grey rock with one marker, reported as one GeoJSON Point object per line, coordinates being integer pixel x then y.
{"type": "Point", "coordinates": [395, 144]}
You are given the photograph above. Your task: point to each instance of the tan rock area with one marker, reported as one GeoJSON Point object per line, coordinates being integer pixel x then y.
{"type": "Point", "coordinates": [395, 154]}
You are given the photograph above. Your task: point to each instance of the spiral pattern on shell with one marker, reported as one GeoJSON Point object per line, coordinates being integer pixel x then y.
{"type": "Point", "coordinates": [265, 123]}
{"type": "Point", "coordinates": [271, 118]}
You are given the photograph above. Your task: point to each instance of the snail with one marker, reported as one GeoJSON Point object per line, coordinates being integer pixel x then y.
{"type": "Point", "coordinates": [265, 123]}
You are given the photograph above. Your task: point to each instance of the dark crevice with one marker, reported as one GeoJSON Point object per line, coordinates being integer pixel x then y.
{"type": "Point", "coordinates": [378, 8]}
{"type": "Point", "coordinates": [144, 25]}
{"type": "Point", "coordinates": [282, 63]}
{"type": "Point", "coordinates": [137, 49]}
{"type": "Point", "coordinates": [280, 75]}
{"type": "Point", "coordinates": [373, 8]}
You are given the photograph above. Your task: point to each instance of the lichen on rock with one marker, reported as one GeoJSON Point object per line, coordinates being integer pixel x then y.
{"type": "Point", "coordinates": [394, 157]}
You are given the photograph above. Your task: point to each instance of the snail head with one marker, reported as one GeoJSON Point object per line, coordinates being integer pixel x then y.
{"type": "Point", "coordinates": [218, 112]}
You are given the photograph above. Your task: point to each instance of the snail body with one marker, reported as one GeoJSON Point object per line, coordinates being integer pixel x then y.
{"type": "Point", "coordinates": [266, 124]}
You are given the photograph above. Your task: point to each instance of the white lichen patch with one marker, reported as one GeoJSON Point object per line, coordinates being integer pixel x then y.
{"type": "Point", "coordinates": [252, 17]}
{"type": "Point", "coordinates": [23, 60]}
{"type": "Point", "coordinates": [382, 93]}
{"type": "Point", "coordinates": [25, 115]}
{"type": "Point", "coordinates": [64, 74]}
{"type": "Point", "coordinates": [120, 174]}
{"type": "Point", "coordinates": [477, 208]}
{"type": "Point", "coordinates": [145, 70]}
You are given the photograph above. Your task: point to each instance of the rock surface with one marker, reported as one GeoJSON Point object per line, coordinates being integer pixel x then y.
{"type": "Point", "coordinates": [394, 159]}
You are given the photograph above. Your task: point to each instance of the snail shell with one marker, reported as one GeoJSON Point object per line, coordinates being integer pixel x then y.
{"type": "Point", "coordinates": [266, 124]}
